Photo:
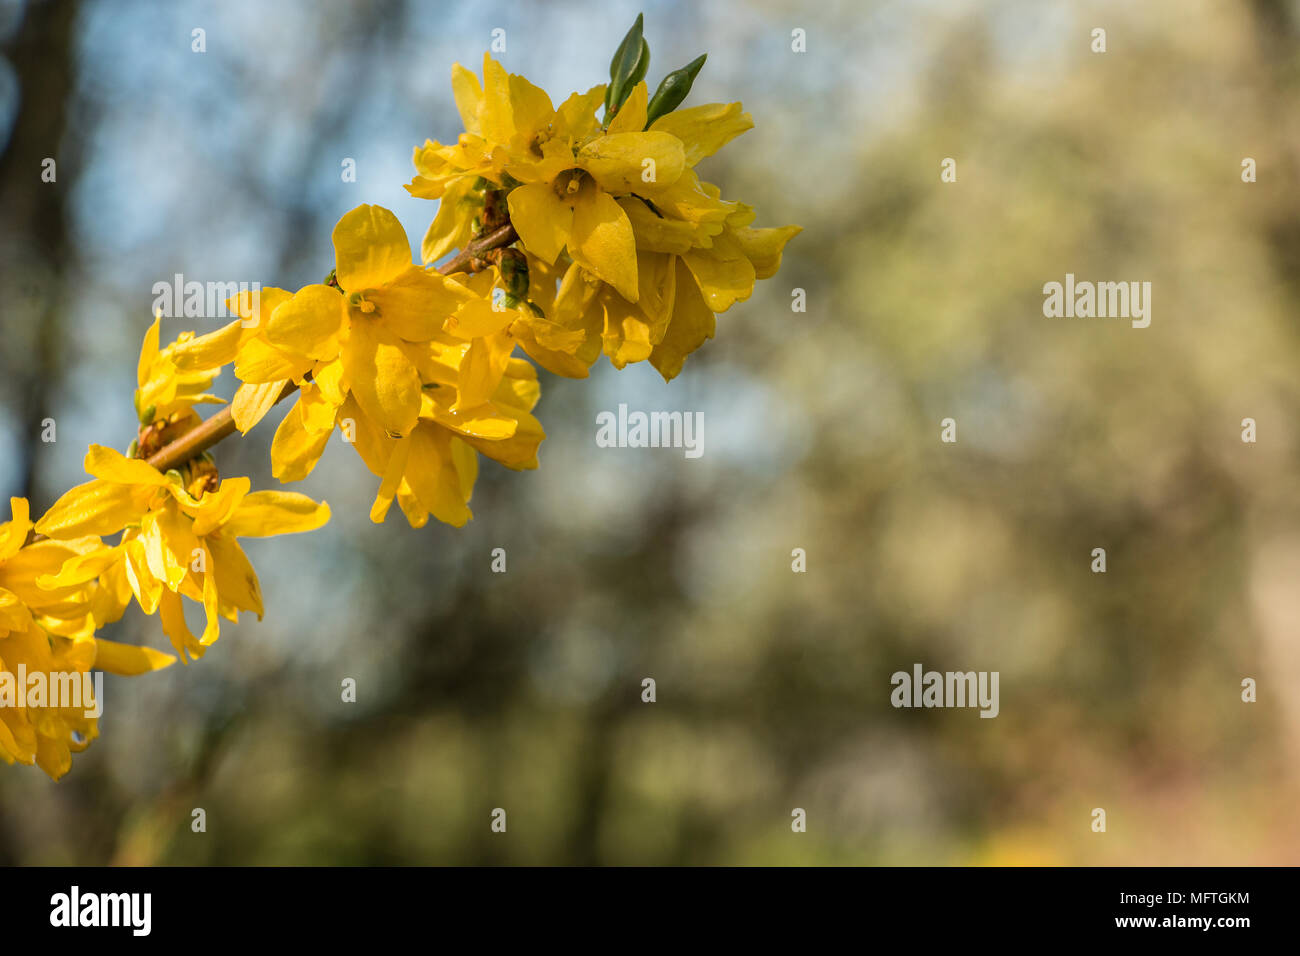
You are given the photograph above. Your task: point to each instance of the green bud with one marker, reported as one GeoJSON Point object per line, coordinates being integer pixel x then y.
{"type": "Point", "coordinates": [171, 474]}
{"type": "Point", "coordinates": [514, 270]}
{"type": "Point", "coordinates": [626, 60]}
{"type": "Point", "coordinates": [673, 90]}
{"type": "Point", "coordinates": [638, 71]}
{"type": "Point", "coordinates": [133, 449]}
{"type": "Point", "coordinates": [512, 301]}
{"type": "Point", "coordinates": [146, 416]}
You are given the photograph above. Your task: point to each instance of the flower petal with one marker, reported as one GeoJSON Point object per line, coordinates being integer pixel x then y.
{"type": "Point", "coordinates": [541, 219]}
{"type": "Point", "coordinates": [260, 362]}
{"type": "Point", "coordinates": [384, 381]}
{"type": "Point", "coordinates": [603, 243]}
{"type": "Point", "coordinates": [169, 545]}
{"type": "Point", "coordinates": [432, 476]}
{"type": "Point", "coordinates": [659, 234]}
{"type": "Point", "coordinates": [96, 507]}
{"type": "Point", "coordinates": [216, 507]}
{"type": "Point", "coordinates": [519, 451]}
{"type": "Point", "coordinates": [530, 106]}
{"type": "Point", "coordinates": [370, 248]}
{"type": "Point", "coordinates": [148, 353]}
{"type": "Point", "coordinates": [209, 351]}
{"type": "Point", "coordinates": [369, 440]}
{"type": "Point", "coordinates": [112, 465]}
{"type": "Point", "coordinates": [692, 324]}
{"type": "Point", "coordinates": [253, 401]}
{"type": "Point", "coordinates": [479, 317]}
{"type": "Point", "coordinates": [266, 513]}
{"type": "Point", "coordinates": [414, 305]}
{"type": "Point", "coordinates": [705, 129]}
{"type": "Point", "coordinates": [469, 94]}
{"type": "Point", "coordinates": [480, 421]}
{"type": "Point", "coordinates": [392, 480]}
{"type": "Point", "coordinates": [763, 247]}
{"type": "Point", "coordinates": [172, 611]}
{"type": "Point", "coordinates": [129, 660]}
{"type": "Point", "coordinates": [495, 115]}
{"type": "Point", "coordinates": [576, 117]}
{"type": "Point", "coordinates": [724, 275]}
{"type": "Point", "coordinates": [309, 323]}
{"type": "Point", "coordinates": [13, 534]}
{"type": "Point", "coordinates": [482, 368]}
{"type": "Point", "coordinates": [454, 224]}
{"type": "Point", "coordinates": [236, 580]}
{"type": "Point", "coordinates": [631, 116]}
{"type": "Point", "coordinates": [634, 162]}
{"type": "Point", "coordinates": [296, 449]}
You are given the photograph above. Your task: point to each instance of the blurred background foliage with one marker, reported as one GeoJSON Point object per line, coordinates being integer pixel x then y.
{"type": "Point", "coordinates": [522, 690]}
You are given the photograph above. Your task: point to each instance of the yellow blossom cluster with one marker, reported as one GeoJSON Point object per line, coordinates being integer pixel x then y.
{"type": "Point", "coordinates": [583, 229]}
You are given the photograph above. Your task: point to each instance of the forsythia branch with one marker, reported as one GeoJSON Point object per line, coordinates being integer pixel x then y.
{"type": "Point", "coordinates": [579, 237]}
{"type": "Point", "coordinates": [221, 425]}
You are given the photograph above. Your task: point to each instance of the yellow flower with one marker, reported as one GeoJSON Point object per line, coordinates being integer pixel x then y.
{"type": "Point", "coordinates": [173, 544]}
{"type": "Point", "coordinates": [166, 394]}
{"type": "Point", "coordinates": [473, 395]}
{"type": "Point", "coordinates": [570, 189]}
{"type": "Point", "coordinates": [262, 368]}
{"type": "Point", "coordinates": [64, 611]}
{"type": "Point", "coordinates": [502, 117]}
{"type": "Point", "coordinates": [415, 400]}
{"type": "Point", "coordinates": [41, 734]}
{"type": "Point", "coordinates": [383, 306]}
{"type": "Point", "coordinates": [680, 293]}
{"type": "Point", "coordinates": [505, 118]}
{"type": "Point", "coordinates": [696, 253]}
{"type": "Point", "coordinates": [563, 350]}
{"type": "Point", "coordinates": [43, 631]}
{"type": "Point", "coordinates": [432, 470]}
{"type": "Point", "coordinates": [31, 594]}
{"type": "Point", "coordinates": [492, 327]}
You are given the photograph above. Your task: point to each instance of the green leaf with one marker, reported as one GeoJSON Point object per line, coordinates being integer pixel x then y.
{"type": "Point", "coordinates": [673, 90]}
{"type": "Point", "coordinates": [626, 59]}
{"type": "Point", "coordinates": [639, 71]}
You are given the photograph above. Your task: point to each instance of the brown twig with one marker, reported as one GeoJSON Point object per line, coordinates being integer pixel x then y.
{"type": "Point", "coordinates": [198, 440]}
{"type": "Point", "coordinates": [496, 239]}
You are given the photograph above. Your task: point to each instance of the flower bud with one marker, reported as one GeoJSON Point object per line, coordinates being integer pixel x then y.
{"type": "Point", "coordinates": [673, 90]}
{"type": "Point", "coordinates": [633, 54]}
